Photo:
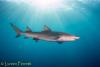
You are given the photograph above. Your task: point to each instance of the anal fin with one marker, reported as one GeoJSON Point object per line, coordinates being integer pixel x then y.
{"type": "Point", "coordinates": [18, 35]}
{"type": "Point", "coordinates": [36, 39]}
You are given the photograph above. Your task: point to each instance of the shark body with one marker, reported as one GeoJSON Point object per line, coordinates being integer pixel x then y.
{"type": "Point", "coordinates": [47, 34]}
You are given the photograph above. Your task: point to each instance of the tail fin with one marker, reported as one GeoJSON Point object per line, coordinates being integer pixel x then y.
{"type": "Point", "coordinates": [17, 30]}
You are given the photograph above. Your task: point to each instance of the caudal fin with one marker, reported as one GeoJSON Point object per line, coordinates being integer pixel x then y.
{"type": "Point", "coordinates": [17, 30]}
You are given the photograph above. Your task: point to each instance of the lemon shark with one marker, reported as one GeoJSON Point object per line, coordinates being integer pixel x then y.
{"type": "Point", "coordinates": [47, 34]}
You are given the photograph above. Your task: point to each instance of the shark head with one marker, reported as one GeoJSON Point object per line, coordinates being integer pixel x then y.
{"type": "Point", "coordinates": [68, 38]}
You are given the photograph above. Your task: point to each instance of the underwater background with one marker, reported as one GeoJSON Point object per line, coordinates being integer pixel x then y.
{"type": "Point", "coordinates": [83, 21]}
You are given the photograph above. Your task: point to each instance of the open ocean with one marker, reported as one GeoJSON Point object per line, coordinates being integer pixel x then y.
{"type": "Point", "coordinates": [83, 21]}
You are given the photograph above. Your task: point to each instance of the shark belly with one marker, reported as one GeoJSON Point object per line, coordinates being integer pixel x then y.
{"type": "Point", "coordinates": [48, 38]}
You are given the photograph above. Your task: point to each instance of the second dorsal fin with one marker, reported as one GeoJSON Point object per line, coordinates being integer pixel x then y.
{"type": "Point", "coordinates": [28, 29]}
{"type": "Point", "coordinates": [46, 28]}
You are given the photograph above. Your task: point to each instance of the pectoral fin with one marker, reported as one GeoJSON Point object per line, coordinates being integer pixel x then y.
{"type": "Point", "coordinates": [59, 42]}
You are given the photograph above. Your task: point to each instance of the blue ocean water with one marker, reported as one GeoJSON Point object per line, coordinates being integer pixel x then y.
{"type": "Point", "coordinates": [84, 23]}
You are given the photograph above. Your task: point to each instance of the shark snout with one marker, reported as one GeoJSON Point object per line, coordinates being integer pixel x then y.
{"type": "Point", "coordinates": [76, 37]}
{"type": "Point", "coordinates": [73, 38]}
{"type": "Point", "coordinates": [68, 38]}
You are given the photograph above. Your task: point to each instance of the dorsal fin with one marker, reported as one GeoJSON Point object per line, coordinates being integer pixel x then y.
{"type": "Point", "coordinates": [28, 29]}
{"type": "Point", "coordinates": [46, 28]}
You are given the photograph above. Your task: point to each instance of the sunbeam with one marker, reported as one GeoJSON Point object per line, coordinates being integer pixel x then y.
{"type": "Point", "coordinates": [46, 5]}
{"type": "Point", "coordinates": [38, 12]}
